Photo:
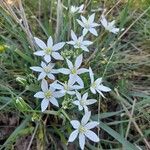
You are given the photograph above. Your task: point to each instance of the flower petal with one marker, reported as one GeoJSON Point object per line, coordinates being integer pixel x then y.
{"type": "Point", "coordinates": [78, 95]}
{"type": "Point", "coordinates": [91, 101]}
{"type": "Point", "coordinates": [64, 71]}
{"type": "Point", "coordinates": [93, 90]}
{"type": "Point", "coordinates": [80, 23]}
{"type": "Point", "coordinates": [73, 36]}
{"type": "Point", "coordinates": [85, 96]}
{"type": "Point", "coordinates": [69, 63]}
{"type": "Point", "coordinates": [79, 81]}
{"type": "Point", "coordinates": [86, 118]}
{"type": "Point", "coordinates": [58, 94]}
{"type": "Point", "coordinates": [82, 140]}
{"type": "Point", "coordinates": [84, 48]}
{"type": "Point", "coordinates": [84, 20]}
{"type": "Point", "coordinates": [85, 31]}
{"type": "Point", "coordinates": [50, 42]}
{"type": "Point", "coordinates": [47, 58]}
{"type": "Point", "coordinates": [44, 104]}
{"type": "Point", "coordinates": [78, 61]}
{"type": "Point", "coordinates": [44, 85]}
{"type": "Point", "coordinates": [91, 18]}
{"type": "Point", "coordinates": [51, 76]}
{"type": "Point", "coordinates": [92, 136]}
{"type": "Point", "coordinates": [54, 101]}
{"type": "Point", "coordinates": [76, 103]}
{"type": "Point", "coordinates": [43, 64]}
{"type": "Point", "coordinates": [40, 43]}
{"type": "Point", "coordinates": [39, 95]}
{"type": "Point", "coordinates": [58, 46]}
{"type": "Point", "coordinates": [42, 75]}
{"type": "Point", "coordinates": [104, 88]}
{"type": "Point", "coordinates": [91, 125]}
{"type": "Point", "coordinates": [71, 43]}
{"type": "Point", "coordinates": [87, 43]}
{"type": "Point", "coordinates": [57, 56]}
{"type": "Point", "coordinates": [73, 136]}
{"type": "Point", "coordinates": [93, 31]}
{"type": "Point", "coordinates": [75, 124]}
{"type": "Point", "coordinates": [91, 75]}
{"type": "Point", "coordinates": [82, 70]}
{"type": "Point", "coordinates": [37, 69]}
{"type": "Point", "coordinates": [39, 53]}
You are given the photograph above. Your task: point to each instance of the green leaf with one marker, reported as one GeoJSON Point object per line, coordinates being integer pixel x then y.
{"type": "Point", "coordinates": [126, 144]}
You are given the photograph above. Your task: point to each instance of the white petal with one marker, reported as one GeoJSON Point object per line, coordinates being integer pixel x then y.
{"type": "Point", "coordinates": [37, 69]}
{"type": "Point", "coordinates": [104, 21]}
{"type": "Point", "coordinates": [91, 101]}
{"type": "Point", "coordinates": [51, 76]}
{"type": "Point", "coordinates": [87, 43]}
{"type": "Point", "coordinates": [93, 90]}
{"type": "Point", "coordinates": [39, 95]}
{"type": "Point", "coordinates": [44, 85]}
{"type": "Point", "coordinates": [93, 31]}
{"type": "Point", "coordinates": [73, 36]}
{"type": "Point", "coordinates": [85, 31]}
{"type": "Point", "coordinates": [58, 94]}
{"type": "Point", "coordinates": [71, 92]}
{"type": "Point", "coordinates": [57, 56]}
{"type": "Point", "coordinates": [84, 48]}
{"type": "Point", "coordinates": [39, 53]}
{"type": "Point", "coordinates": [64, 71]}
{"type": "Point", "coordinates": [76, 103]}
{"type": "Point", "coordinates": [54, 71]}
{"type": "Point", "coordinates": [79, 81]}
{"type": "Point", "coordinates": [92, 136]}
{"type": "Point", "coordinates": [104, 88]}
{"type": "Point", "coordinates": [54, 101]}
{"type": "Point", "coordinates": [84, 20]}
{"type": "Point", "coordinates": [100, 93]}
{"type": "Point", "coordinates": [82, 70]}
{"type": "Point", "coordinates": [72, 78]}
{"type": "Point", "coordinates": [47, 58]}
{"type": "Point", "coordinates": [86, 118]}
{"type": "Point", "coordinates": [75, 124]}
{"type": "Point", "coordinates": [80, 23]}
{"type": "Point", "coordinates": [43, 64]}
{"type": "Point", "coordinates": [94, 25]}
{"type": "Point", "coordinates": [44, 104]}
{"type": "Point", "coordinates": [98, 81]}
{"type": "Point", "coordinates": [73, 136]}
{"type": "Point", "coordinates": [40, 43]}
{"type": "Point", "coordinates": [91, 75]}
{"type": "Point", "coordinates": [91, 18]}
{"type": "Point", "coordinates": [58, 86]}
{"type": "Point", "coordinates": [71, 42]}
{"type": "Point", "coordinates": [78, 95]}
{"type": "Point", "coordinates": [115, 30]}
{"type": "Point", "coordinates": [69, 63]}
{"type": "Point", "coordinates": [58, 46]}
{"type": "Point", "coordinates": [50, 42]}
{"type": "Point", "coordinates": [85, 96]}
{"type": "Point", "coordinates": [78, 61]}
{"type": "Point", "coordinates": [91, 125]}
{"type": "Point", "coordinates": [81, 141]}
{"type": "Point", "coordinates": [42, 75]}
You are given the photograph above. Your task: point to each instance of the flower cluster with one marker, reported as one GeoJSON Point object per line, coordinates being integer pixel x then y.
{"type": "Point", "coordinates": [51, 93]}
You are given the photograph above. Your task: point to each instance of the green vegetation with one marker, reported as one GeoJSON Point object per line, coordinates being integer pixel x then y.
{"type": "Point", "coordinates": [123, 60]}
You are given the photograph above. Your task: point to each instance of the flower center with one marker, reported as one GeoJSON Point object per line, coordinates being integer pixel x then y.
{"type": "Point", "coordinates": [48, 51]}
{"type": "Point", "coordinates": [48, 94]}
{"type": "Point", "coordinates": [74, 71]}
{"type": "Point", "coordinates": [78, 43]}
{"type": "Point", "coordinates": [82, 129]}
{"type": "Point", "coordinates": [87, 25]}
{"type": "Point", "coordinates": [83, 102]}
{"type": "Point", "coordinates": [94, 85]}
{"type": "Point", "coordinates": [66, 86]}
{"type": "Point", "coordinates": [47, 69]}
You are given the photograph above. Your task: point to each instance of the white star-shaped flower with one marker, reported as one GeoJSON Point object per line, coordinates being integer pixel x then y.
{"type": "Point", "coordinates": [88, 25]}
{"type": "Point", "coordinates": [109, 26]}
{"type": "Point", "coordinates": [97, 86]}
{"type": "Point", "coordinates": [45, 70]}
{"type": "Point", "coordinates": [74, 9]}
{"type": "Point", "coordinates": [83, 130]}
{"type": "Point", "coordinates": [82, 102]}
{"type": "Point", "coordinates": [66, 87]}
{"type": "Point", "coordinates": [74, 70]}
{"type": "Point", "coordinates": [49, 49]}
{"type": "Point", "coordinates": [79, 43]}
{"type": "Point", "coordinates": [48, 94]}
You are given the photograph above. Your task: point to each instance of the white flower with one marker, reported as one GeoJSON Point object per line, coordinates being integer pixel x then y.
{"type": "Point", "coordinates": [88, 25]}
{"type": "Point", "coordinates": [74, 70]}
{"type": "Point", "coordinates": [82, 102]}
{"type": "Point", "coordinates": [97, 86]}
{"type": "Point", "coordinates": [48, 94]}
{"type": "Point", "coordinates": [49, 49]}
{"type": "Point", "coordinates": [83, 130]}
{"type": "Point", "coordinates": [45, 70]}
{"type": "Point", "coordinates": [79, 43]}
{"type": "Point", "coordinates": [74, 9]}
{"type": "Point", "coordinates": [66, 87]}
{"type": "Point", "coordinates": [110, 26]}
